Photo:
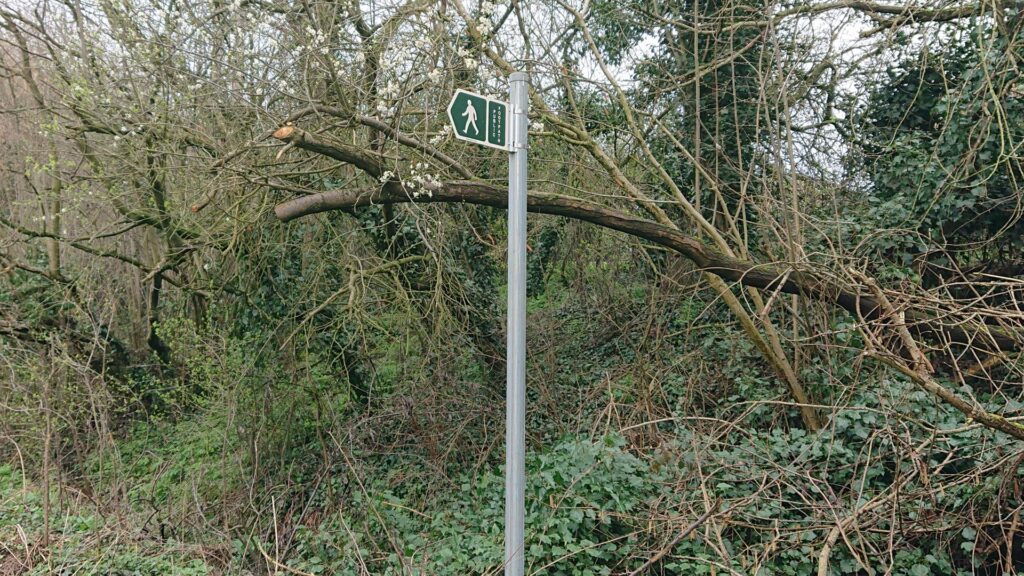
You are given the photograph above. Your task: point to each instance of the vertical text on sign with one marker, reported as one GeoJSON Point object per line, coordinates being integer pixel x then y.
{"type": "Point", "coordinates": [497, 113]}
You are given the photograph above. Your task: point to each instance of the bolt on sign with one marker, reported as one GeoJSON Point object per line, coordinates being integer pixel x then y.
{"type": "Point", "coordinates": [479, 119]}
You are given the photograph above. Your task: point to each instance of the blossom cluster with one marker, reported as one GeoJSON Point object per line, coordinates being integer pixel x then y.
{"type": "Point", "coordinates": [404, 61]}
{"type": "Point", "coordinates": [390, 90]}
{"type": "Point", "coordinates": [488, 13]}
{"type": "Point", "coordinates": [420, 183]}
{"type": "Point", "coordinates": [318, 41]}
{"type": "Point", "coordinates": [468, 60]}
{"type": "Point", "coordinates": [442, 135]}
{"type": "Point", "coordinates": [127, 131]}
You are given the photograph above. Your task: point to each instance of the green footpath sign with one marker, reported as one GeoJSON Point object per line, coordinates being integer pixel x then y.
{"type": "Point", "coordinates": [479, 119]}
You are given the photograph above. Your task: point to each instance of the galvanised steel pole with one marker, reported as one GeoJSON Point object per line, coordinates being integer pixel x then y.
{"type": "Point", "coordinates": [515, 430]}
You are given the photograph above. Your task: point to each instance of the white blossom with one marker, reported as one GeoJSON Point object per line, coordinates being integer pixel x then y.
{"type": "Point", "coordinates": [390, 90]}
{"type": "Point", "coordinates": [437, 139]}
{"type": "Point", "coordinates": [421, 182]}
{"type": "Point", "coordinates": [485, 25]}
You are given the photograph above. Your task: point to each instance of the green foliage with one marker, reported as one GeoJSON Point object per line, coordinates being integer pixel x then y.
{"type": "Point", "coordinates": [584, 504]}
{"type": "Point", "coordinates": [334, 388]}
{"type": "Point", "coordinates": [711, 111]}
{"type": "Point", "coordinates": [935, 151]}
{"type": "Point", "coordinates": [83, 542]}
{"type": "Point", "coordinates": [589, 504]}
{"type": "Point", "coordinates": [544, 246]}
{"type": "Point", "coordinates": [165, 466]}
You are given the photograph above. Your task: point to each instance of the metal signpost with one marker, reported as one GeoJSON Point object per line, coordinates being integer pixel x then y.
{"type": "Point", "coordinates": [483, 121]}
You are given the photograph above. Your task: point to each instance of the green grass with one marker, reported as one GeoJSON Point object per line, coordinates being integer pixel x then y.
{"type": "Point", "coordinates": [82, 542]}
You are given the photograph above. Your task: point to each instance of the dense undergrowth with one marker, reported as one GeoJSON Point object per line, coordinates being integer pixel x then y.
{"type": "Point", "coordinates": [775, 276]}
{"type": "Point", "coordinates": [240, 469]}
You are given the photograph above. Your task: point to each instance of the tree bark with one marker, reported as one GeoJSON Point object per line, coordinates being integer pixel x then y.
{"type": "Point", "coordinates": [786, 279]}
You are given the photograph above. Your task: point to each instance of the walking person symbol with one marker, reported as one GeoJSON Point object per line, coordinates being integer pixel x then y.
{"type": "Point", "coordinates": [470, 115]}
{"type": "Point", "coordinates": [477, 118]}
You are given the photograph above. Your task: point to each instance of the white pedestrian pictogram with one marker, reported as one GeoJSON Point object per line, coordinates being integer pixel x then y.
{"type": "Point", "coordinates": [470, 115]}
{"type": "Point", "coordinates": [478, 119]}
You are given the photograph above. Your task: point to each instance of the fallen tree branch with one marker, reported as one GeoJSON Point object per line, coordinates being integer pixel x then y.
{"type": "Point", "coordinates": [972, 410]}
{"type": "Point", "coordinates": [784, 278]}
{"type": "Point", "coordinates": [920, 371]}
{"type": "Point", "coordinates": [903, 10]}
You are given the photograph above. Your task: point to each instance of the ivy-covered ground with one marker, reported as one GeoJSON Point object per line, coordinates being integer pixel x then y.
{"type": "Point", "coordinates": [895, 484]}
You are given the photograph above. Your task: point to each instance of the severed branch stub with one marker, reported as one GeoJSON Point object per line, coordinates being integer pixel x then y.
{"type": "Point", "coordinates": [299, 138]}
